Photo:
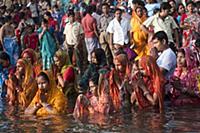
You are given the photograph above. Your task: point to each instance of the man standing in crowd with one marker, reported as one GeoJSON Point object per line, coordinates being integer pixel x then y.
{"type": "Point", "coordinates": [162, 22]}
{"type": "Point", "coordinates": [104, 21]}
{"type": "Point", "coordinates": [118, 29]}
{"type": "Point", "coordinates": [73, 32]}
{"type": "Point", "coordinates": [90, 29]}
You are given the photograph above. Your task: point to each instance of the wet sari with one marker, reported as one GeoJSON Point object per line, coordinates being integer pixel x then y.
{"type": "Point", "coordinates": [67, 72]}
{"type": "Point", "coordinates": [189, 78]}
{"type": "Point", "coordinates": [91, 104]}
{"type": "Point", "coordinates": [55, 98]}
{"type": "Point", "coordinates": [119, 91]}
{"type": "Point", "coordinates": [23, 92]}
{"type": "Point", "coordinates": [154, 81]}
{"type": "Point", "coordinates": [139, 36]}
{"type": "Point", "coordinates": [29, 86]}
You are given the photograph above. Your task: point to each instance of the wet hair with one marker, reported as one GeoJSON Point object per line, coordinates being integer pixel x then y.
{"type": "Point", "coordinates": [161, 35]}
{"type": "Point", "coordinates": [4, 56]}
{"type": "Point", "coordinates": [165, 6]}
{"type": "Point", "coordinates": [44, 75]}
{"type": "Point", "coordinates": [190, 2]}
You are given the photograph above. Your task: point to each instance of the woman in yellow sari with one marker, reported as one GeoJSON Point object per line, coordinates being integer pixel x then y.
{"type": "Point", "coordinates": [139, 38]}
{"type": "Point", "coordinates": [22, 84]}
{"type": "Point", "coordinates": [48, 99]}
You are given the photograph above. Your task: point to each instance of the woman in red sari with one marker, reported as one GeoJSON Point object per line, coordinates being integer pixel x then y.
{"type": "Point", "coordinates": [148, 84]}
{"type": "Point", "coordinates": [120, 89]}
{"type": "Point", "coordinates": [31, 55]}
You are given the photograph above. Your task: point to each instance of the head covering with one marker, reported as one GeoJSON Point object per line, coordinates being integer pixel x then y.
{"type": "Point", "coordinates": [152, 70]}
{"type": "Point", "coordinates": [31, 54]}
{"type": "Point", "coordinates": [55, 97]}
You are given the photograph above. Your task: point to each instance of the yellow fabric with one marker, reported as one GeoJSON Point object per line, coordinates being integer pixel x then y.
{"type": "Point", "coordinates": [139, 36]}
{"type": "Point", "coordinates": [55, 98]}
{"type": "Point", "coordinates": [29, 85]}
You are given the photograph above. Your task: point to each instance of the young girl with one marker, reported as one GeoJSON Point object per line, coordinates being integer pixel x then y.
{"type": "Point", "coordinates": [93, 102]}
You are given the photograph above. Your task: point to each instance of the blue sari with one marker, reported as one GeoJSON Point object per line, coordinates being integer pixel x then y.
{"type": "Point", "coordinates": [12, 49]}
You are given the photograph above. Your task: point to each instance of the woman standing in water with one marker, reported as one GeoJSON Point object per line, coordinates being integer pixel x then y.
{"type": "Point", "coordinates": [48, 99]}
{"type": "Point", "coordinates": [148, 84]}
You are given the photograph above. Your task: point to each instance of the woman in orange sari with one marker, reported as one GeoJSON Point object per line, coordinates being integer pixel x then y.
{"type": "Point", "coordinates": [48, 99]}
{"type": "Point", "coordinates": [148, 84]}
{"type": "Point", "coordinates": [139, 38]}
{"type": "Point", "coordinates": [22, 84]}
{"type": "Point", "coordinates": [118, 83]}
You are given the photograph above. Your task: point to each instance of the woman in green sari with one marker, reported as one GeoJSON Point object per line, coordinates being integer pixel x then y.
{"type": "Point", "coordinates": [47, 45]}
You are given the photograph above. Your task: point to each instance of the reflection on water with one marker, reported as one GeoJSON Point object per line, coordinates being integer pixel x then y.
{"type": "Point", "coordinates": [181, 119]}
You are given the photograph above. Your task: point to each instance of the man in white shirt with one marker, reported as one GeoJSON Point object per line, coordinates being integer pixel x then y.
{"type": "Point", "coordinates": [162, 21]}
{"type": "Point", "coordinates": [167, 59]}
{"type": "Point", "coordinates": [118, 29]}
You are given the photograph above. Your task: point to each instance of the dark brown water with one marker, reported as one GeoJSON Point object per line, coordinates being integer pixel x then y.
{"type": "Point", "coordinates": [179, 119]}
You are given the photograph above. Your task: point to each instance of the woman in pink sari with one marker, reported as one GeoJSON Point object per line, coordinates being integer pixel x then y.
{"type": "Point", "coordinates": [185, 80]}
{"type": "Point", "coordinates": [92, 102]}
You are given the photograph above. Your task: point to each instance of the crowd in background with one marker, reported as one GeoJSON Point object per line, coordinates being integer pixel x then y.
{"type": "Point", "coordinates": [99, 56]}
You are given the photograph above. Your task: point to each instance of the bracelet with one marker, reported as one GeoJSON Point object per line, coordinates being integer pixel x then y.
{"type": "Point", "coordinates": [146, 93]}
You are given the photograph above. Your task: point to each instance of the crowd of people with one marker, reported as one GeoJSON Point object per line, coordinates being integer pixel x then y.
{"type": "Point", "coordinates": [90, 57]}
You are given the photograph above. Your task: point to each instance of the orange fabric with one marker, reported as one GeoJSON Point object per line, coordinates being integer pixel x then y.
{"type": "Point", "coordinates": [157, 80]}
{"type": "Point", "coordinates": [28, 85]}
{"type": "Point", "coordinates": [55, 98]}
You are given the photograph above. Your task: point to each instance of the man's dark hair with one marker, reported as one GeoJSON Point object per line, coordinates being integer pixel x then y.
{"type": "Point", "coordinates": [161, 35]}
{"type": "Point", "coordinates": [165, 6]}
{"type": "Point", "coordinates": [45, 21]}
{"type": "Point", "coordinates": [138, 2]}
{"type": "Point", "coordinates": [105, 4]}
{"type": "Point", "coordinates": [89, 9]}
{"type": "Point", "coordinates": [117, 9]}
{"type": "Point", "coordinates": [70, 13]}
{"type": "Point", "coordinates": [48, 14]}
